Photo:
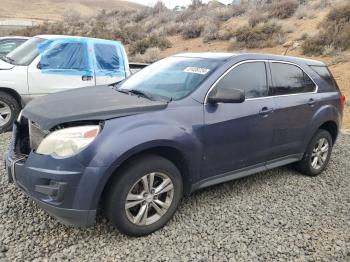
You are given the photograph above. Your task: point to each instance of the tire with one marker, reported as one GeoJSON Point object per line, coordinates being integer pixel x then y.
{"type": "Point", "coordinates": [307, 165]}
{"type": "Point", "coordinates": [127, 183]}
{"type": "Point", "coordinates": [9, 110]}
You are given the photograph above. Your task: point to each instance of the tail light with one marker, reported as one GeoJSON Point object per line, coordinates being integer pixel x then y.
{"type": "Point", "coordinates": [342, 102]}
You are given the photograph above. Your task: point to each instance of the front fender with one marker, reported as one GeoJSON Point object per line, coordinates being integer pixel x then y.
{"type": "Point", "coordinates": [120, 139]}
{"type": "Point", "coordinates": [125, 137]}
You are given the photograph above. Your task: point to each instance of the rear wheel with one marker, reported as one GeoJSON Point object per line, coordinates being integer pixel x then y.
{"type": "Point", "coordinates": [144, 196]}
{"type": "Point", "coordinates": [9, 110]}
{"type": "Point", "coordinates": [317, 155]}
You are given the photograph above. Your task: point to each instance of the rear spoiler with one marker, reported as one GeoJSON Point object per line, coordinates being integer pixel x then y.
{"type": "Point", "coordinates": [135, 67]}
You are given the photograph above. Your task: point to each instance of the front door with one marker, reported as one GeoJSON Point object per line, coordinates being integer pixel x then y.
{"type": "Point", "coordinates": [64, 65]}
{"type": "Point", "coordinates": [239, 135]}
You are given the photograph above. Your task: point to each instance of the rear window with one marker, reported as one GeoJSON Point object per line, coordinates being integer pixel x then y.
{"type": "Point", "coordinates": [290, 79]}
{"type": "Point", "coordinates": [107, 57]}
{"type": "Point", "coordinates": [323, 72]}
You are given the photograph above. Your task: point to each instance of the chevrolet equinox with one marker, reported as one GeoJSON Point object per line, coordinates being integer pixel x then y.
{"type": "Point", "coordinates": [134, 149]}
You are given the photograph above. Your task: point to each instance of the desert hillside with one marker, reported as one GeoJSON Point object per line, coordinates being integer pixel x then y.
{"type": "Point", "coordinates": [318, 29]}
{"type": "Point", "coordinates": [55, 10]}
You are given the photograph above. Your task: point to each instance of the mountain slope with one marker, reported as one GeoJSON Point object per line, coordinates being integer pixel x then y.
{"type": "Point", "coordinates": [55, 10]}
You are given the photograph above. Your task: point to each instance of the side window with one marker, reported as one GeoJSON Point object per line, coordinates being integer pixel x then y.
{"type": "Point", "coordinates": [107, 57]}
{"type": "Point", "coordinates": [7, 47]}
{"type": "Point", "coordinates": [290, 79]}
{"type": "Point", "coordinates": [249, 77]}
{"type": "Point", "coordinates": [66, 56]}
{"type": "Point", "coordinates": [18, 42]}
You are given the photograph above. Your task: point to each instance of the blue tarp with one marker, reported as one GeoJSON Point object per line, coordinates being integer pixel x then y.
{"type": "Point", "coordinates": [76, 55]}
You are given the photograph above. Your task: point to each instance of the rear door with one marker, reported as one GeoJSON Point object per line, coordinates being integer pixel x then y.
{"type": "Point", "coordinates": [239, 135]}
{"type": "Point", "coordinates": [295, 100]}
{"type": "Point", "coordinates": [110, 62]}
{"type": "Point", "coordinates": [63, 65]}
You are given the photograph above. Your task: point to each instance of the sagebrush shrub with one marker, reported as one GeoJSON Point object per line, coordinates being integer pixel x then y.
{"type": "Point", "coordinates": [283, 9]}
{"type": "Point", "coordinates": [191, 30]}
{"type": "Point", "coordinates": [150, 56]}
{"type": "Point", "coordinates": [262, 35]}
{"type": "Point", "coordinates": [334, 31]}
{"type": "Point", "coordinates": [140, 46]}
{"type": "Point", "coordinates": [211, 31]}
{"type": "Point", "coordinates": [257, 18]}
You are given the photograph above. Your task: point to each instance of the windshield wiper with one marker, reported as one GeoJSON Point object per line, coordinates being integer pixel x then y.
{"type": "Point", "coordinates": [122, 91]}
{"type": "Point", "coordinates": [136, 92]}
{"type": "Point", "coordinates": [144, 94]}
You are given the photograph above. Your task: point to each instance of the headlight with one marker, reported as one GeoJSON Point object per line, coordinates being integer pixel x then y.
{"type": "Point", "coordinates": [68, 141]}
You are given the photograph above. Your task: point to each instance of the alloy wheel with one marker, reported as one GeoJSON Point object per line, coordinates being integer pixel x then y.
{"type": "Point", "coordinates": [149, 199]}
{"type": "Point", "coordinates": [320, 153]}
{"type": "Point", "coordinates": [5, 113]}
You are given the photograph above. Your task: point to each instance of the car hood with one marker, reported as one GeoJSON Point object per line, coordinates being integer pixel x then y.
{"type": "Point", "coordinates": [5, 66]}
{"type": "Point", "coordinates": [89, 103]}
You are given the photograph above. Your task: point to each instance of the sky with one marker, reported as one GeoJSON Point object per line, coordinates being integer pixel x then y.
{"type": "Point", "coordinates": [172, 3]}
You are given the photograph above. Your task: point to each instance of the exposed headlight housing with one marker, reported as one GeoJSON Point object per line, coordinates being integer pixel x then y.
{"type": "Point", "coordinates": [68, 141]}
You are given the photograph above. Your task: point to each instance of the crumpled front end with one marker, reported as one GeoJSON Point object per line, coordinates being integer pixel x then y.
{"type": "Point", "coordinates": [63, 187]}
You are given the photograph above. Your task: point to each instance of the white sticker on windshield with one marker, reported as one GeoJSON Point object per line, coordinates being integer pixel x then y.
{"type": "Point", "coordinates": [197, 70]}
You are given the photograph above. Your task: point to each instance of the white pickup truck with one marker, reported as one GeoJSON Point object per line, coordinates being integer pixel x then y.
{"type": "Point", "coordinates": [52, 63]}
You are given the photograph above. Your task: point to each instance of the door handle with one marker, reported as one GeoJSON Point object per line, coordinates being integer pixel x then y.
{"type": "Point", "coordinates": [86, 78]}
{"type": "Point", "coordinates": [311, 102]}
{"type": "Point", "coordinates": [265, 111]}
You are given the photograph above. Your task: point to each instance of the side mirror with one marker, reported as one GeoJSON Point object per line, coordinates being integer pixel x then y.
{"type": "Point", "coordinates": [224, 95]}
{"type": "Point", "coordinates": [39, 66]}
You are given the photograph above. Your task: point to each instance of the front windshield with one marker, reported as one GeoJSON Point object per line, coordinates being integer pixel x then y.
{"type": "Point", "coordinates": [24, 54]}
{"type": "Point", "coordinates": [172, 78]}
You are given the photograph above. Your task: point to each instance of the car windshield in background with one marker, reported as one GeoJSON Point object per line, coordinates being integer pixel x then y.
{"type": "Point", "coordinates": [172, 78]}
{"type": "Point", "coordinates": [24, 54]}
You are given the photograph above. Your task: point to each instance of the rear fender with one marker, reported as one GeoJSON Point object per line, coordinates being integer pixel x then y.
{"type": "Point", "coordinates": [324, 114]}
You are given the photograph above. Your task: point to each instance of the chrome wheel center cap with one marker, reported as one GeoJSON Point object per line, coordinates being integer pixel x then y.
{"type": "Point", "coordinates": [149, 198]}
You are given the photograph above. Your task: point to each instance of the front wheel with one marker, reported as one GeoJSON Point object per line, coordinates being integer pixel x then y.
{"type": "Point", "coordinates": [9, 110]}
{"type": "Point", "coordinates": [144, 195]}
{"type": "Point", "coordinates": [317, 155]}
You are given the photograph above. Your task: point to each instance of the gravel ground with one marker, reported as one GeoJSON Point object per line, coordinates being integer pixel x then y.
{"type": "Point", "coordinates": [275, 215]}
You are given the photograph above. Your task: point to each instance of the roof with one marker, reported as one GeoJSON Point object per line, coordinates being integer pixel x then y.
{"type": "Point", "coordinates": [208, 55]}
{"type": "Point", "coordinates": [251, 56]}
{"type": "Point", "coordinates": [14, 37]}
{"type": "Point", "coordinates": [49, 37]}
{"type": "Point", "coordinates": [284, 58]}
{"type": "Point", "coordinates": [57, 36]}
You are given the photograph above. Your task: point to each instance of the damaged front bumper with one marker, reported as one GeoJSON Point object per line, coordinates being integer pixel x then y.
{"type": "Point", "coordinates": [58, 186]}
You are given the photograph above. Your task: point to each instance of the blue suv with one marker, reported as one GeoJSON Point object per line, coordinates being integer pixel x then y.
{"type": "Point", "coordinates": [133, 150]}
